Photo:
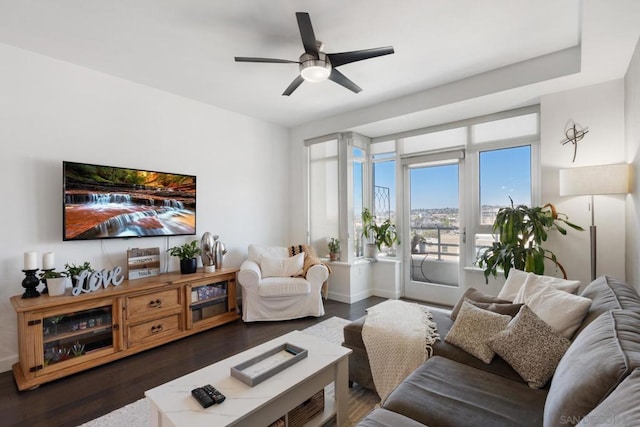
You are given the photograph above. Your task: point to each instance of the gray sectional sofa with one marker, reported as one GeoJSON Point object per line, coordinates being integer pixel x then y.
{"type": "Point", "coordinates": [596, 382]}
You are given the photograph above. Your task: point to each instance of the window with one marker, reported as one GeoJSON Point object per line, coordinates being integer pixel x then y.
{"type": "Point", "coordinates": [323, 194]}
{"type": "Point", "coordinates": [384, 190]}
{"type": "Point", "coordinates": [358, 198]}
{"type": "Point", "coordinates": [505, 175]}
{"type": "Point", "coordinates": [348, 172]}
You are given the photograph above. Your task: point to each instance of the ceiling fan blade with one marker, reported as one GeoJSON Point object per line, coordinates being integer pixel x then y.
{"type": "Point", "coordinates": [338, 59]}
{"type": "Point", "coordinates": [342, 80]}
{"type": "Point", "coordinates": [306, 32]}
{"type": "Point", "coordinates": [269, 60]}
{"type": "Point", "coordinates": [293, 86]}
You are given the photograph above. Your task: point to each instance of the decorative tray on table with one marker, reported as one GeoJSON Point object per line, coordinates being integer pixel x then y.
{"type": "Point", "coordinates": [265, 365]}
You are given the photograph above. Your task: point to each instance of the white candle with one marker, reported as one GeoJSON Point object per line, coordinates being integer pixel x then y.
{"type": "Point", "coordinates": [31, 260]}
{"type": "Point", "coordinates": [48, 261]}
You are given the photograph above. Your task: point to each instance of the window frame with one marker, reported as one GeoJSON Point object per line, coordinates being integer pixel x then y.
{"type": "Point", "coordinates": [470, 222]}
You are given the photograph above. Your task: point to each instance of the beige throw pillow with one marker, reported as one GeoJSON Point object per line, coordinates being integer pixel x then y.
{"type": "Point", "coordinates": [517, 278]}
{"type": "Point", "coordinates": [531, 347]}
{"type": "Point", "coordinates": [473, 329]}
{"type": "Point", "coordinates": [560, 310]}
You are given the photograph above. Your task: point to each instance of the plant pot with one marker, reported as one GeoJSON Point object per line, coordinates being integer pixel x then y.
{"type": "Point", "coordinates": [188, 266]}
{"type": "Point", "coordinates": [371, 250]}
{"type": "Point", "coordinates": [334, 256]}
{"type": "Point", "coordinates": [57, 285]}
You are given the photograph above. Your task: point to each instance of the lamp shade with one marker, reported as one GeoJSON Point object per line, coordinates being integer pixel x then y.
{"type": "Point", "coordinates": [602, 179]}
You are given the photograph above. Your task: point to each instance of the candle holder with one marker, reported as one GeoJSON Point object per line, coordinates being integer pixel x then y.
{"type": "Point", "coordinates": [44, 280]}
{"type": "Point", "coordinates": [30, 283]}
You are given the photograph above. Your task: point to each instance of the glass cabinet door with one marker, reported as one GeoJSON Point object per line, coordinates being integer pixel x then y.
{"type": "Point", "coordinates": [72, 335]}
{"type": "Point", "coordinates": [208, 301]}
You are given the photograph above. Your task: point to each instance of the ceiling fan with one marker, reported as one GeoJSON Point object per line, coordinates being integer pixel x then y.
{"type": "Point", "coordinates": [315, 65]}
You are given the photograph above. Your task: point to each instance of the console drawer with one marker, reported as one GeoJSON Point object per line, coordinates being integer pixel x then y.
{"type": "Point", "coordinates": [141, 333]}
{"type": "Point", "coordinates": [152, 304]}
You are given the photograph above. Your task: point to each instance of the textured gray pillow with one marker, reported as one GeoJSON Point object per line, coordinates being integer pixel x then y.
{"type": "Point", "coordinates": [473, 329]}
{"type": "Point", "coordinates": [477, 296]}
{"type": "Point", "coordinates": [531, 347]}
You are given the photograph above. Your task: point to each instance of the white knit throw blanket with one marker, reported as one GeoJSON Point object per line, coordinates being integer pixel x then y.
{"type": "Point", "coordinates": [398, 337]}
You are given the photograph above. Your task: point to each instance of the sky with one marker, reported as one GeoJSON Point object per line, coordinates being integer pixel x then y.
{"type": "Point", "coordinates": [503, 173]}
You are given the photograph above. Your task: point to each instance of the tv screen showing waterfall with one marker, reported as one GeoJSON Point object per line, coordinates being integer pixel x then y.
{"type": "Point", "coordinates": [102, 202]}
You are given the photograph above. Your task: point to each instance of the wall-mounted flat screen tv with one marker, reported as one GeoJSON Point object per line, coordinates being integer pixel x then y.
{"type": "Point", "coordinates": [102, 202]}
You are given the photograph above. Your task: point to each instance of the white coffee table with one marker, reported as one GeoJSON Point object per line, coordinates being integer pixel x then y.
{"type": "Point", "coordinates": [171, 404]}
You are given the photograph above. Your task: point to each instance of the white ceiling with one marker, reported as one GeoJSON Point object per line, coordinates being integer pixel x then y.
{"type": "Point", "coordinates": [186, 47]}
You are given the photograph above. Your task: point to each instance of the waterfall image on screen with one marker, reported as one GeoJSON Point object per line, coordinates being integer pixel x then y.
{"type": "Point", "coordinates": [103, 202]}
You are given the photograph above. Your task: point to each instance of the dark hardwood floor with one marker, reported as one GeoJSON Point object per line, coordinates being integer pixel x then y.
{"type": "Point", "coordinates": [87, 395]}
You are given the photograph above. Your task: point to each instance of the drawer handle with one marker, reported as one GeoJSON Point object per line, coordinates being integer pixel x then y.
{"type": "Point", "coordinates": [156, 329]}
{"type": "Point", "coordinates": [155, 304]}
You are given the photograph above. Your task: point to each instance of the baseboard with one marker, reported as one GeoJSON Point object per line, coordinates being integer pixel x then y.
{"type": "Point", "coordinates": [348, 298]}
{"type": "Point", "coordinates": [7, 363]}
{"type": "Point", "coordinates": [386, 293]}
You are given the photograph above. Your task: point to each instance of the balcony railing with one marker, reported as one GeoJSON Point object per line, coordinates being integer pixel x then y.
{"type": "Point", "coordinates": [441, 242]}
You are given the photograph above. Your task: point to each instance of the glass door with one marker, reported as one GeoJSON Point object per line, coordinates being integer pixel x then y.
{"type": "Point", "coordinates": [433, 217]}
{"type": "Point", "coordinates": [71, 337]}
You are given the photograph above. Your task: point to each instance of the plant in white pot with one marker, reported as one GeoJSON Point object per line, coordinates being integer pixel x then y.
{"type": "Point", "coordinates": [376, 234]}
{"type": "Point", "coordinates": [187, 253]}
{"type": "Point", "coordinates": [55, 281]}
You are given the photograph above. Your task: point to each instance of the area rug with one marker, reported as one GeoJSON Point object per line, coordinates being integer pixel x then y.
{"type": "Point", "coordinates": [361, 400]}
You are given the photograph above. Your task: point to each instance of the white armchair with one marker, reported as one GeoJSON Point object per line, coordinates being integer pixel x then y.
{"type": "Point", "coordinates": [273, 288]}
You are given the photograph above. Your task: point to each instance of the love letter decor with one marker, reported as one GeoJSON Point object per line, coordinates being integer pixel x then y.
{"type": "Point", "coordinates": [96, 280]}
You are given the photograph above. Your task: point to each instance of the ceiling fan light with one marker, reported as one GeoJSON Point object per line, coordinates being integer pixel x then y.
{"type": "Point", "coordinates": [315, 70]}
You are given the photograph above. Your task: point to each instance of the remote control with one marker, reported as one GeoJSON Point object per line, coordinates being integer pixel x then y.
{"type": "Point", "coordinates": [202, 397]}
{"type": "Point", "coordinates": [213, 393]}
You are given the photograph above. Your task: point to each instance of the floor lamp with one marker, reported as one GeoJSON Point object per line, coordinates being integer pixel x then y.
{"type": "Point", "coordinates": [594, 180]}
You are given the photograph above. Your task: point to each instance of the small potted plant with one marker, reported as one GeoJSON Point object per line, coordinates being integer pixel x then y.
{"type": "Point", "coordinates": [187, 254]}
{"type": "Point", "coordinates": [55, 282]}
{"type": "Point", "coordinates": [73, 271]}
{"type": "Point", "coordinates": [377, 234]}
{"type": "Point", "coordinates": [334, 249]}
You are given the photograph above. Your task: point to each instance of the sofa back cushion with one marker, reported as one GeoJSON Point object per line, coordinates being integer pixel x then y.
{"type": "Point", "coordinates": [597, 361]}
{"type": "Point", "coordinates": [620, 408]}
{"type": "Point", "coordinates": [607, 293]}
{"type": "Point", "coordinates": [255, 252]}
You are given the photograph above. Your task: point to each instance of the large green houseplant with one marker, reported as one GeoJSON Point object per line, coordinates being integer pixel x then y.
{"type": "Point", "coordinates": [376, 234]}
{"type": "Point", "coordinates": [521, 231]}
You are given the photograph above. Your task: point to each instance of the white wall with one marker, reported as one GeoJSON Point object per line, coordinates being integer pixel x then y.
{"type": "Point", "coordinates": [632, 137]}
{"type": "Point", "coordinates": [52, 111]}
{"type": "Point", "coordinates": [601, 109]}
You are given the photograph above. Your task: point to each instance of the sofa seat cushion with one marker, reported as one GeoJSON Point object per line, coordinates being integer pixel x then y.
{"type": "Point", "coordinates": [381, 417]}
{"type": "Point", "coordinates": [597, 361]}
{"type": "Point", "coordinates": [443, 392]}
{"type": "Point", "coordinates": [283, 286]}
{"type": "Point", "coordinates": [607, 293]}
